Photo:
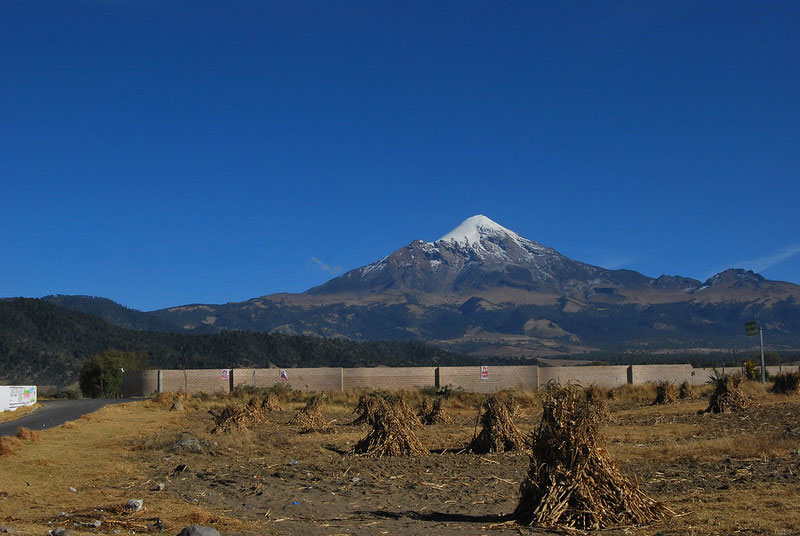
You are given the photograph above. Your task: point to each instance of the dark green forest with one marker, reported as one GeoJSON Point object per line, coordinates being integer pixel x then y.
{"type": "Point", "coordinates": [43, 343]}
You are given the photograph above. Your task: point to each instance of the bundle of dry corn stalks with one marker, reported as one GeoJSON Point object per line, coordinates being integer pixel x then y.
{"type": "Point", "coordinates": [787, 383]}
{"type": "Point", "coordinates": [666, 393]}
{"type": "Point", "coordinates": [310, 417]}
{"type": "Point", "coordinates": [596, 395]}
{"type": "Point", "coordinates": [498, 432]}
{"type": "Point", "coordinates": [407, 413]}
{"type": "Point", "coordinates": [238, 416]}
{"type": "Point", "coordinates": [392, 434]}
{"type": "Point", "coordinates": [432, 412]}
{"type": "Point", "coordinates": [728, 395]}
{"type": "Point", "coordinates": [572, 481]}
{"type": "Point", "coordinates": [686, 391]}
{"type": "Point", "coordinates": [271, 403]}
{"type": "Point", "coordinates": [367, 408]}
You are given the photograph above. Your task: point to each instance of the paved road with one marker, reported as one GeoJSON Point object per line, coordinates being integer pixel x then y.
{"type": "Point", "coordinates": [57, 412]}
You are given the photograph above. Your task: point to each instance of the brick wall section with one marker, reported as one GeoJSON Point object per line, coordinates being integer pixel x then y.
{"type": "Point", "coordinates": [602, 376]}
{"type": "Point", "coordinates": [774, 370]}
{"type": "Point", "coordinates": [195, 381]}
{"type": "Point", "coordinates": [388, 378]}
{"type": "Point", "coordinates": [144, 383]}
{"type": "Point", "coordinates": [300, 379]}
{"type": "Point", "coordinates": [498, 378]}
{"type": "Point", "coordinates": [677, 374]}
{"type": "Point", "coordinates": [139, 383]}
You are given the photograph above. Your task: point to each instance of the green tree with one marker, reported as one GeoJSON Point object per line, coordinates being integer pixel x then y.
{"type": "Point", "coordinates": [101, 375]}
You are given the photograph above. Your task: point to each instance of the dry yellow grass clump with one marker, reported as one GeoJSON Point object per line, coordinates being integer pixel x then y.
{"type": "Point", "coordinates": [8, 445]}
{"type": "Point", "coordinates": [572, 481]}
{"type": "Point", "coordinates": [26, 434]}
{"type": "Point", "coordinates": [498, 431]}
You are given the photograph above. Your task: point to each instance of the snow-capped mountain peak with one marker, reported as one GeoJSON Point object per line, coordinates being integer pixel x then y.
{"type": "Point", "coordinates": [474, 228]}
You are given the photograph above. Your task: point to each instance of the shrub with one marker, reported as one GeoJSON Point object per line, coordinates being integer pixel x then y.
{"type": "Point", "coordinates": [101, 375]}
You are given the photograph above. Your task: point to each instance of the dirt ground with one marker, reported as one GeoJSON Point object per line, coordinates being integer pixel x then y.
{"type": "Point", "coordinates": [719, 474]}
{"type": "Point", "coordinates": [706, 468]}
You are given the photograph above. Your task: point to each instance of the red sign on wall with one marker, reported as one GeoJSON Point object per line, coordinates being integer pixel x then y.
{"type": "Point", "coordinates": [484, 372]}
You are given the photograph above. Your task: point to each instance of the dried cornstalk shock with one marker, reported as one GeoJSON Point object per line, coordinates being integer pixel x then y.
{"type": "Point", "coordinates": [406, 411]}
{"type": "Point", "coordinates": [728, 395]}
{"type": "Point", "coordinates": [686, 391]}
{"type": "Point", "coordinates": [310, 417]}
{"type": "Point", "coordinates": [392, 434]}
{"type": "Point", "coordinates": [432, 412]}
{"type": "Point", "coordinates": [572, 482]}
{"type": "Point", "coordinates": [666, 393]}
{"type": "Point", "coordinates": [271, 403]}
{"type": "Point", "coordinates": [596, 395]}
{"type": "Point", "coordinates": [238, 416]}
{"type": "Point", "coordinates": [498, 431]}
{"type": "Point", "coordinates": [368, 406]}
{"type": "Point", "coordinates": [787, 383]}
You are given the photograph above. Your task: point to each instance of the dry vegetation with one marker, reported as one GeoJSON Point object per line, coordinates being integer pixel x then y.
{"type": "Point", "coordinates": [728, 473]}
{"type": "Point", "coordinates": [572, 481]}
{"type": "Point", "coordinates": [666, 393]}
{"type": "Point", "coordinates": [6, 416]}
{"type": "Point", "coordinates": [728, 394]}
{"type": "Point", "coordinates": [498, 432]}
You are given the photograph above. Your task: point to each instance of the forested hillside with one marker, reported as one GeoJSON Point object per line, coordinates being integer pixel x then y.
{"type": "Point", "coordinates": [41, 342]}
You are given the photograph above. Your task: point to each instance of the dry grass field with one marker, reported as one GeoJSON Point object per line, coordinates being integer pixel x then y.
{"type": "Point", "coordinates": [6, 416]}
{"type": "Point", "coordinates": [721, 474]}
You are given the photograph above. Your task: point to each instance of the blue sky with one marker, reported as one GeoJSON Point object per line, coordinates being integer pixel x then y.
{"type": "Point", "coordinates": [162, 153]}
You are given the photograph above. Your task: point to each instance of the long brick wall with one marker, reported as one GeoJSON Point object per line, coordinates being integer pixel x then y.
{"type": "Point", "coordinates": [477, 379]}
{"type": "Point", "coordinates": [602, 376]}
{"type": "Point", "coordinates": [655, 373]}
{"type": "Point", "coordinates": [195, 381]}
{"type": "Point", "coordinates": [139, 383]}
{"type": "Point", "coordinates": [489, 379]}
{"type": "Point", "coordinates": [301, 379]}
{"type": "Point", "coordinates": [388, 378]}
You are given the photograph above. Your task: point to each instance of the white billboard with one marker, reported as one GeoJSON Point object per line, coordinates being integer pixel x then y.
{"type": "Point", "coordinates": [14, 396]}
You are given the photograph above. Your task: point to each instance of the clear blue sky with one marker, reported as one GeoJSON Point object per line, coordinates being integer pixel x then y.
{"type": "Point", "coordinates": [161, 152]}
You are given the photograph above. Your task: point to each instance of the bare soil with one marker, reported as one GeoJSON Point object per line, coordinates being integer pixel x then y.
{"type": "Point", "coordinates": [720, 474]}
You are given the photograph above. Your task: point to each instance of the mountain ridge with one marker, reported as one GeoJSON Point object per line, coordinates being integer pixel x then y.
{"type": "Point", "coordinates": [486, 290]}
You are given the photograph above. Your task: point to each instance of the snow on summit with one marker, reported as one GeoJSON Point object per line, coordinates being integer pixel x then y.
{"type": "Point", "coordinates": [473, 229]}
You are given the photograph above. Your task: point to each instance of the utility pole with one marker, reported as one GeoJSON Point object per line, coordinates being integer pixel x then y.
{"type": "Point", "coordinates": [763, 366]}
{"type": "Point", "coordinates": [752, 329]}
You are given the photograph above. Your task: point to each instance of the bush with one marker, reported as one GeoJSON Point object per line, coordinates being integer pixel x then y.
{"type": "Point", "coordinates": [750, 370]}
{"type": "Point", "coordinates": [70, 394]}
{"type": "Point", "coordinates": [101, 375]}
{"type": "Point", "coordinates": [787, 383]}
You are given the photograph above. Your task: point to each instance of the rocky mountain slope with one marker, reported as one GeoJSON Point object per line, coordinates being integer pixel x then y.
{"type": "Point", "coordinates": [485, 289]}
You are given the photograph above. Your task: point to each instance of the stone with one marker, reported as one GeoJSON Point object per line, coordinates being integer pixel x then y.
{"type": "Point", "coordinates": [8, 530]}
{"type": "Point", "coordinates": [160, 487]}
{"type": "Point", "coordinates": [176, 406]}
{"type": "Point", "coordinates": [198, 530]}
{"type": "Point", "coordinates": [60, 531]}
{"type": "Point", "coordinates": [134, 504]}
{"type": "Point", "coordinates": [190, 444]}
